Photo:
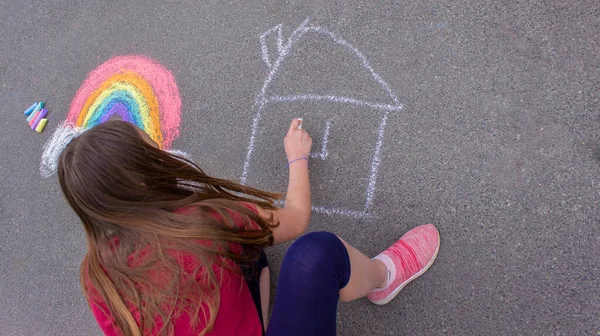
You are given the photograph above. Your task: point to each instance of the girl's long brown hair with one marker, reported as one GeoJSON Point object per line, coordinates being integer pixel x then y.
{"type": "Point", "coordinates": [127, 194]}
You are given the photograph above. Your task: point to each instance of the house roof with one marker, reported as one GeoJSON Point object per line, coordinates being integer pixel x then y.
{"type": "Point", "coordinates": [276, 56]}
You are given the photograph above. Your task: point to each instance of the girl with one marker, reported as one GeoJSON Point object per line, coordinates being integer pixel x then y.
{"type": "Point", "coordinates": [173, 251]}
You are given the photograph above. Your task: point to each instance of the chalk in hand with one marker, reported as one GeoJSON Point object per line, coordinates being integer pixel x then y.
{"type": "Point", "coordinates": [35, 121]}
{"type": "Point", "coordinates": [41, 124]}
{"type": "Point", "coordinates": [30, 109]}
{"type": "Point", "coordinates": [300, 120]}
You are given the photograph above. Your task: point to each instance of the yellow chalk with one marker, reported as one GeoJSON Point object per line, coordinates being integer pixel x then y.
{"type": "Point", "coordinates": [41, 124]}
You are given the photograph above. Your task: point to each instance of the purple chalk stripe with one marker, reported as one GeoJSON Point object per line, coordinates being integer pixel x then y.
{"type": "Point", "coordinates": [39, 117]}
{"type": "Point", "coordinates": [117, 109]}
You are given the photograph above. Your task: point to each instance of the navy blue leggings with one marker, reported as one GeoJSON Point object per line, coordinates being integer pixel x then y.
{"type": "Point", "coordinates": [314, 270]}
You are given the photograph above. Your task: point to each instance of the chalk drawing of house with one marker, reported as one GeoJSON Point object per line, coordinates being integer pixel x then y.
{"type": "Point", "coordinates": [272, 41]}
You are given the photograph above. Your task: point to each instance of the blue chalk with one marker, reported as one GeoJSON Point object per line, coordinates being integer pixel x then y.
{"type": "Point", "coordinates": [32, 115]}
{"type": "Point", "coordinates": [35, 110]}
{"type": "Point", "coordinates": [38, 107]}
{"type": "Point", "coordinates": [30, 109]}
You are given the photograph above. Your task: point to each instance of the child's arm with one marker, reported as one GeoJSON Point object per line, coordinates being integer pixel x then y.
{"type": "Point", "coordinates": [294, 217]}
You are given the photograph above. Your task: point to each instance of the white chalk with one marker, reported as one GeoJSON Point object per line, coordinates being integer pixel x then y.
{"type": "Point", "coordinates": [300, 120]}
{"type": "Point", "coordinates": [333, 99]}
{"type": "Point", "coordinates": [60, 139]}
{"type": "Point", "coordinates": [343, 212]}
{"type": "Point", "coordinates": [262, 99]}
{"type": "Point", "coordinates": [323, 154]}
{"type": "Point", "coordinates": [263, 43]}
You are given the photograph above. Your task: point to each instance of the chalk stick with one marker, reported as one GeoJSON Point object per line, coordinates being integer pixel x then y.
{"type": "Point", "coordinates": [300, 121]}
{"type": "Point", "coordinates": [36, 109]}
{"type": "Point", "coordinates": [40, 126]}
{"type": "Point", "coordinates": [30, 109]}
{"type": "Point", "coordinates": [32, 117]}
{"type": "Point", "coordinates": [36, 120]}
{"type": "Point", "coordinates": [39, 107]}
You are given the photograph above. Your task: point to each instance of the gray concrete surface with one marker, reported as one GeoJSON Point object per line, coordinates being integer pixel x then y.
{"type": "Point", "coordinates": [498, 145]}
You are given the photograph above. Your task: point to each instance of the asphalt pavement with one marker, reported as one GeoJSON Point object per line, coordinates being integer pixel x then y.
{"type": "Point", "coordinates": [497, 142]}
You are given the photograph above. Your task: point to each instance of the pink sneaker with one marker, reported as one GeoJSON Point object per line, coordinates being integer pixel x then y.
{"type": "Point", "coordinates": [406, 260]}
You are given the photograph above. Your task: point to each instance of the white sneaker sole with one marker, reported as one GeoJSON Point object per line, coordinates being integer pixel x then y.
{"type": "Point", "coordinates": [395, 292]}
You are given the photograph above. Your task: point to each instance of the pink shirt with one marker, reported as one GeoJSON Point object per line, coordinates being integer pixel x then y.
{"type": "Point", "coordinates": [237, 313]}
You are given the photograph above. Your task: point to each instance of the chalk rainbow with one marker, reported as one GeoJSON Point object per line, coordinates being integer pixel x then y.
{"type": "Point", "coordinates": [132, 88]}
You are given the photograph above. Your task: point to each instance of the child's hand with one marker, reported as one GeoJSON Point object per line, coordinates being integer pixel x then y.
{"type": "Point", "coordinates": [297, 142]}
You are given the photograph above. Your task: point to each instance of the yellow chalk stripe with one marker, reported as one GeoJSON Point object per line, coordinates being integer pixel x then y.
{"type": "Point", "coordinates": [142, 93]}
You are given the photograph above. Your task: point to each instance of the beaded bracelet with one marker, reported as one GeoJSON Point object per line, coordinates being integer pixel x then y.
{"type": "Point", "coordinates": [298, 159]}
